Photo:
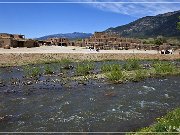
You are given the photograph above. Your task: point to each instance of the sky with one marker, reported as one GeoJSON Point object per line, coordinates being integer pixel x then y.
{"type": "Point", "coordinates": [43, 18]}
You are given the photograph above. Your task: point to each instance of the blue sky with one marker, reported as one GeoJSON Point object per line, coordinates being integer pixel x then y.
{"type": "Point", "coordinates": [35, 20]}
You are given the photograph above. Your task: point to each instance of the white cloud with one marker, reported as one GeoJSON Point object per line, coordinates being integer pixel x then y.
{"type": "Point", "coordinates": [135, 9]}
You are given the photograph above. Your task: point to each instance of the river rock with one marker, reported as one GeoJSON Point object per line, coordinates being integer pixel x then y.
{"type": "Point", "coordinates": [28, 83]}
{"type": "Point", "coordinates": [68, 67]}
{"type": "Point", "coordinates": [1, 84]}
{"type": "Point", "coordinates": [111, 94]}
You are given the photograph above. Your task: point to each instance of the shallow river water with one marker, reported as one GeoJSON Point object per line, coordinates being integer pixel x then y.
{"type": "Point", "coordinates": [94, 107]}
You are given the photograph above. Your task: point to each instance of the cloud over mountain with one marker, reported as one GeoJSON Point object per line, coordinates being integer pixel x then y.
{"type": "Point", "coordinates": [137, 8]}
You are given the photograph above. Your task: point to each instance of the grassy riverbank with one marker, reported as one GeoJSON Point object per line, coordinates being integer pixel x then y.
{"type": "Point", "coordinates": [168, 124]}
{"type": "Point", "coordinates": [110, 71]}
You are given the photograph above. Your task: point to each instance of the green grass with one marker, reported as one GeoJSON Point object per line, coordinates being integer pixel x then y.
{"type": "Point", "coordinates": [116, 75]}
{"type": "Point", "coordinates": [132, 64]}
{"type": "Point", "coordinates": [48, 69]}
{"type": "Point", "coordinates": [35, 72]}
{"type": "Point", "coordinates": [131, 71]}
{"type": "Point", "coordinates": [109, 67]}
{"type": "Point", "coordinates": [84, 68]}
{"type": "Point", "coordinates": [30, 71]}
{"type": "Point", "coordinates": [169, 123]}
{"type": "Point", "coordinates": [164, 68]}
{"type": "Point", "coordinates": [65, 61]}
{"type": "Point", "coordinates": [105, 68]}
{"type": "Point", "coordinates": [139, 75]}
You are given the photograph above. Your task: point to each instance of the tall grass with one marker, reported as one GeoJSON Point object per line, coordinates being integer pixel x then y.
{"type": "Point", "coordinates": [162, 68]}
{"type": "Point", "coordinates": [106, 68]}
{"type": "Point", "coordinates": [116, 74]}
{"type": "Point", "coordinates": [169, 123]}
{"type": "Point", "coordinates": [132, 64]}
{"type": "Point", "coordinates": [65, 64]}
{"type": "Point", "coordinates": [84, 68]}
{"type": "Point", "coordinates": [48, 69]}
{"type": "Point", "coordinates": [65, 61]}
{"type": "Point", "coordinates": [139, 75]}
{"type": "Point", "coordinates": [109, 67]}
{"type": "Point", "coordinates": [30, 71]}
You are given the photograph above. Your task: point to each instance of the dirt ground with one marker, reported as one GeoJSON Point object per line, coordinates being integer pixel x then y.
{"type": "Point", "coordinates": [21, 56]}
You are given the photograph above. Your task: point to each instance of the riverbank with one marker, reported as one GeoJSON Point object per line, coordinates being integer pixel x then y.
{"type": "Point", "coordinates": [22, 56]}
{"type": "Point", "coordinates": [123, 95]}
{"type": "Point", "coordinates": [168, 124]}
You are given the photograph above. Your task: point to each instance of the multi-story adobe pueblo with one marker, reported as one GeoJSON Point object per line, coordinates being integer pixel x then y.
{"type": "Point", "coordinates": [15, 40]}
{"type": "Point", "coordinates": [106, 41]}
{"type": "Point", "coordinates": [100, 40]}
{"type": "Point", "coordinates": [59, 41]}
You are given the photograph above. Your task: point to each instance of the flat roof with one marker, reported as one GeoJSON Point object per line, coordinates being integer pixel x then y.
{"type": "Point", "coordinates": [11, 34]}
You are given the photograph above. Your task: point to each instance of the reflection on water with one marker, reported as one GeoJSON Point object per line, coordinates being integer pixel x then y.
{"type": "Point", "coordinates": [91, 107]}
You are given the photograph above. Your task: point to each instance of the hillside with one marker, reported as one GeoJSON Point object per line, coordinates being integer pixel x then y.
{"type": "Point", "coordinates": [151, 26]}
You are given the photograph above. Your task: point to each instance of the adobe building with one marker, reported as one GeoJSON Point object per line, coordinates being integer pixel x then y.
{"type": "Point", "coordinates": [15, 40]}
{"type": "Point", "coordinates": [109, 41]}
{"type": "Point", "coordinates": [59, 41]}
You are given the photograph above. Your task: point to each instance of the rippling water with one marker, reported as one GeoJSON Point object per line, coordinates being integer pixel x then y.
{"type": "Point", "coordinates": [93, 107]}
{"type": "Point", "coordinates": [99, 107]}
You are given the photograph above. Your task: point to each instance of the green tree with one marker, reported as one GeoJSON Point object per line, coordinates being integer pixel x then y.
{"type": "Point", "coordinates": [178, 24]}
{"type": "Point", "coordinates": [158, 42]}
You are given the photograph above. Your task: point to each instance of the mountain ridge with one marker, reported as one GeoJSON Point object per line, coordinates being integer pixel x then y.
{"type": "Point", "coordinates": [150, 26]}
{"type": "Point", "coordinates": [71, 36]}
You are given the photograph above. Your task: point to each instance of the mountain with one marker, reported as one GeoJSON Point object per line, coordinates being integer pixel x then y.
{"type": "Point", "coordinates": [71, 36]}
{"type": "Point", "coordinates": [151, 26]}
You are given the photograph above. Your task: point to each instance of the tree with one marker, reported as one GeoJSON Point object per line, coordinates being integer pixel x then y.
{"type": "Point", "coordinates": [158, 42]}
{"type": "Point", "coordinates": [178, 24]}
